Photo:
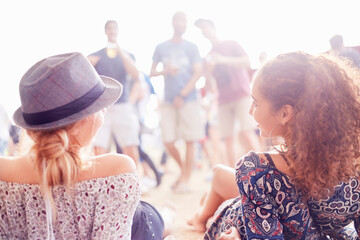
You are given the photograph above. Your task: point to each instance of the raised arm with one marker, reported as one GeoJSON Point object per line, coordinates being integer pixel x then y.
{"type": "Point", "coordinates": [240, 62]}
{"type": "Point", "coordinates": [129, 64]}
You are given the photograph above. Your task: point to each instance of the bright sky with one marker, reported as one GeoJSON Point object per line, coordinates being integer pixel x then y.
{"type": "Point", "coordinates": [32, 30]}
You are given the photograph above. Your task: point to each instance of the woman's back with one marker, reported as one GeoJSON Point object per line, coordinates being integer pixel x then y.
{"type": "Point", "coordinates": [53, 192]}
{"type": "Point", "coordinates": [339, 210]}
{"type": "Point", "coordinates": [87, 212]}
{"type": "Point", "coordinates": [330, 216]}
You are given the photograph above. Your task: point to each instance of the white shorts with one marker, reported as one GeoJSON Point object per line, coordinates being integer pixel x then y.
{"type": "Point", "coordinates": [234, 117]}
{"type": "Point", "coordinates": [186, 122]}
{"type": "Point", "coordinates": [120, 123]}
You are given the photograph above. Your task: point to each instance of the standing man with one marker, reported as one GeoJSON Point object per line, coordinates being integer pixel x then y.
{"type": "Point", "coordinates": [227, 64]}
{"type": "Point", "coordinates": [180, 111]}
{"type": "Point", "coordinates": [120, 121]}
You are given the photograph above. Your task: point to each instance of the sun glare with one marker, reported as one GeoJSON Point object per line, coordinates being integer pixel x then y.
{"type": "Point", "coordinates": [42, 28]}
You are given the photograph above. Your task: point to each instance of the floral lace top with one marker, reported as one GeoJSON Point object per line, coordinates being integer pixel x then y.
{"type": "Point", "coordinates": [101, 208]}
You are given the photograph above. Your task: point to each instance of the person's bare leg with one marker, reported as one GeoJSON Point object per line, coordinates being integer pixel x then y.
{"type": "Point", "coordinates": [174, 152]}
{"type": "Point", "coordinates": [217, 155]}
{"type": "Point", "coordinates": [205, 148]}
{"type": "Point", "coordinates": [217, 194]}
{"type": "Point", "coordinates": [189, 161]}
{"type": "Point", "coordinates": [133, 152]}
{"type": "Point", "coordinates": [146, 169]}
{"type": "Point", "coordinates": [230, 151]}
{"type": "Point", "coordinates": [249, 141]}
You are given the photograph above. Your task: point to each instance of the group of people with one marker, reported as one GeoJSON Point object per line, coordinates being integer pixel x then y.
{"type": "Point", "coordinates": [307, 187]}
{"type": "Point", "coordinates": [226, 68]}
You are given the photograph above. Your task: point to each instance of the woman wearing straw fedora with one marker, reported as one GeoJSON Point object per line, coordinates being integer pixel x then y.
{"type": "Point", "coordinates": [55, 191]}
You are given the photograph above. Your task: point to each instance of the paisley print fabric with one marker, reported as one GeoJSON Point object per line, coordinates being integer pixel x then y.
{"type": "Point", "coordinates": [101, 208]}
{"type": "Point", "coordinates": [270, 207]}
{"type": "Point", "coordinates": [333, 215]}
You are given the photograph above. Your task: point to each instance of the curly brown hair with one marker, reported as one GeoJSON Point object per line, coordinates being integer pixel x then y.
{"type": "Point", "coordinates": [324, 145]}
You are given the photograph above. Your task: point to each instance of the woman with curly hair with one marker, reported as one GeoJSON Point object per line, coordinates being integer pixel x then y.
{"type": "Point", "coordinates": [309, 187]}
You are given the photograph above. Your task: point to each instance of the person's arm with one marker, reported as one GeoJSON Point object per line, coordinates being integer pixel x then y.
{"type": "Point", "coordinates": [239, 62]}
{"type": "Point", "coordinates": [157, 58]}
{"type": "Point", "coordinates": [237, 59]}
{"type": "Point", "coordinates": [154, 72]}
{"type": "Point", "coordinates": [190, 86]}
{"type": "Point", "coordinates": [129, 64]}
{"type": "Point", "coordinates": [210, 82]}
{"type": "Point", "coordinates": [197, 72]}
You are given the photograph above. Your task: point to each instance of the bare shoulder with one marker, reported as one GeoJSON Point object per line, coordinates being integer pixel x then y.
{"type": "Point", "coordinates": [280, 162]}
{"type": "Point", "coordinates": [10, 166]}
{"type": "Point", "coordinates": [265, 155]}
{"type": "Point", "coordinates": [111, 164]}
{"type": "Point", "coordinates": [121, 162]}
{"type": "Point", "coordinates": [256, 156]}
{"type": "Point", "coordinates": [6, 165]}
{"type": "Point", "coordinates": [261, 154]}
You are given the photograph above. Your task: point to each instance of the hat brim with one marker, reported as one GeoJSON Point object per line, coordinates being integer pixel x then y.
{"type": "Point", "coordinates": [113, 90]}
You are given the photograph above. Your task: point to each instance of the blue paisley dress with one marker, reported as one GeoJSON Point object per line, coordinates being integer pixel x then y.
{"type": "Point", "coordinates": [270, 207]}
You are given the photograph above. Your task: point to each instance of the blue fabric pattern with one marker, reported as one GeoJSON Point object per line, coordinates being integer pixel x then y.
{"type": "Point", "coordinates": [270, 207]}
{"type": "Point", "coordinates": [335, 213]}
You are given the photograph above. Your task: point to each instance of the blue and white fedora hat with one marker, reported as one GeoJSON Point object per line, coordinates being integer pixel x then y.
{"type": "Point", "coordinates": [62, 89]}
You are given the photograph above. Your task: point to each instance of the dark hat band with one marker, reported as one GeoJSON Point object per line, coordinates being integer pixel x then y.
{"type": "Point", "coordinates": [67, 109]}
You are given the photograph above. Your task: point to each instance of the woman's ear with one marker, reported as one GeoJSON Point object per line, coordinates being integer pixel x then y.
{"type": "Point", "coordinates": [287, 113]}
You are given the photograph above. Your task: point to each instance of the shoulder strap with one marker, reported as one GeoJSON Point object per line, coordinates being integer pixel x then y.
{"type": "Point", "coordinates": [269, 159]}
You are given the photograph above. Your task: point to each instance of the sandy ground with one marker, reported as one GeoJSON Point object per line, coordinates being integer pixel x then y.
{"type": "Point", "coordinates": [185, 204]}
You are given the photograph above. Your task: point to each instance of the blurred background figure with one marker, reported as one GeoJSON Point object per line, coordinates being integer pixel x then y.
{"type": "Point", "coordinates": [13, 148]}
{"type": "Point", "coordinates": [212, 147]}
{"type": "Point", "coordinates": [339, 49]}
{"type": "Point", "coordinates": [121, 120]}
{"type": "Point", "coordinates": [180, 110]}
{"type": "Point", "coordinates": [139, 97]}
{"type": "Point", "coordinates": [227, 64]}
{"type": "Point", "coordinates": [5, 124]}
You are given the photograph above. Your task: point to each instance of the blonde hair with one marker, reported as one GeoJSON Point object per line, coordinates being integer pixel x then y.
{"type": "Point", "coordinates": [324, 143]}
{"type": "Point", "coordinates": [56, 160]}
